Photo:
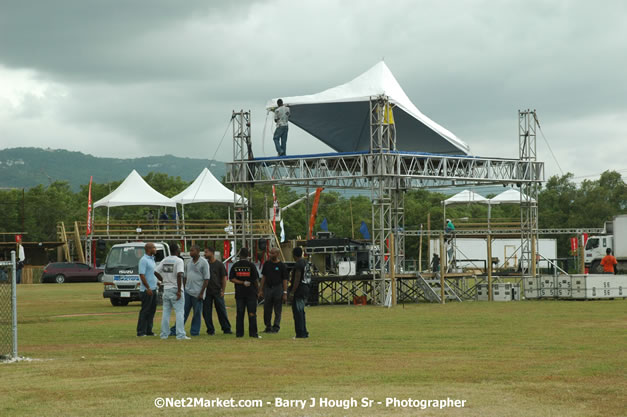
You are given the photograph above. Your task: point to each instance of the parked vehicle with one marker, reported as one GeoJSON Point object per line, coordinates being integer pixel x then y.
{"type": "Point", "coordinates": [615, 238]}
{"type": "Point", "coordinates": [61, 272]}
{"type": "Point", "coordinates": [121, 274]}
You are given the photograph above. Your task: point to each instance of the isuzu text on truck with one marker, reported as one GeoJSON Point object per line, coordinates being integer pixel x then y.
{"type": "Point", "coordinates": [615, 238]}
{"type": "Point", "coordinates": [121, 274]}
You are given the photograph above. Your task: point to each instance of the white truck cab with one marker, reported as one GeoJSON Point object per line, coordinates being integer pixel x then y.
{"type": "Point", "coordinates": [121, 275]}
{"type": "Point", "coordinates": [596, 248]}
{"type": "Point", "coordinates": [615, 239]}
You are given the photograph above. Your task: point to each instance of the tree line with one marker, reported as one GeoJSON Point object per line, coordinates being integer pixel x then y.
{"type": "Point", "coordinates": [562, 204]}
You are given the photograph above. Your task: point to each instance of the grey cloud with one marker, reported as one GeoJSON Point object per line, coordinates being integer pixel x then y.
{"type": "Point", "coordinates": [156, 73]}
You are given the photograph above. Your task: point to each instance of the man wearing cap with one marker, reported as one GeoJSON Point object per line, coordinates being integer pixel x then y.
{"type": "Point", "coordinates": [281, 118]}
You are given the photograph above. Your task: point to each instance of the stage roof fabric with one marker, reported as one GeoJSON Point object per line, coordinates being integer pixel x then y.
{"type": "Point", "coordinates": [134, 191]}
{"type": "Point", "coordinates": [466, 196]}
{"type": "Point", "coordinates": [510, 196]}
{"type": "Point", "coordinates": [339, 116]}
{"type": "Point", "coordinates": [206, 189]}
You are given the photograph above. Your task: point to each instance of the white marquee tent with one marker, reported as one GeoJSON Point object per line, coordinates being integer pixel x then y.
{"type": "Point", "coordinates": [339, 116]}
{"type": "Point", "coordinates": [463, 197]}
{"type": "Point", "coordinates": [134, 191]}
{"type": "Point", "coordinates": [207, 189]}
{"type": "Point", "coordinates": [510, 196]}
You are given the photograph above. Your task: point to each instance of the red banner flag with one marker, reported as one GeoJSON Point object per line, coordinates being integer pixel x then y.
{"type": "Point", "coordinates": [89, 209]}
{"type": "Point", "coordinates": [314, 211]}
{"type": "Point", "coordinates": [275, 205]}
{"type": "Point", "coordinates": [573, 244]}
{"type": "Point", "coordinates": [227, 250]}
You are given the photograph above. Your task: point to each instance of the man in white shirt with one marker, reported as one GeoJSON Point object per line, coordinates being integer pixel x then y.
{"type": "Point", "coordinates": [196, 280]}
{"type": "Point", "coordinates": [171, 269]}
{"type": "Point", "coordinates": [281, 118]}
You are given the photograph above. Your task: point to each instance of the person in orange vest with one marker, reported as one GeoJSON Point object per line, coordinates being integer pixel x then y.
{"type": "Point", "coordinates": [609, 263]}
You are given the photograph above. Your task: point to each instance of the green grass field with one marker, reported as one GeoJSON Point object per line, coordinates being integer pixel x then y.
{"type": "Point", "coordinates": [534, 358]}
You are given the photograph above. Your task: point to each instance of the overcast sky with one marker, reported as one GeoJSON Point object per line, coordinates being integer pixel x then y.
{"type": "Point", "coordinates": [134, 78]}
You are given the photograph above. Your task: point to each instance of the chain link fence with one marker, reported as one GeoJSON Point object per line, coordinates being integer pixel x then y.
{"type": "Point", "coordinates": [8, 323]}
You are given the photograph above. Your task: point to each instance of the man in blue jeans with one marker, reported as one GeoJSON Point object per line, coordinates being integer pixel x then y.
{"type": "Point", "coordinates": [171, 270]}
{"type": "Point", "coordinates": [147, 291]}
{"type": "Point", "coordinates": [298, 293]}
{"type": "Point", "coordinates": [215, 294]}
{"type": "Point", "coordinates": [281, 118]}
{"type": "Point", "coordinates": [196, 280]}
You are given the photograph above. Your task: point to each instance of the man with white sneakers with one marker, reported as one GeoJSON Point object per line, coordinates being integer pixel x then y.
{"type": "Point", "coordinates": [171, 269]}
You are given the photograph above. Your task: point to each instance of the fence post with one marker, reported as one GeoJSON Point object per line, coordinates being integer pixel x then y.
{"type": "Point", "coordinates": [14, 302]}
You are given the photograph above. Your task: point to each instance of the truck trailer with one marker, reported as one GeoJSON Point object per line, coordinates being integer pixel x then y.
{"type": "Point", "coordinates": [615, 238]}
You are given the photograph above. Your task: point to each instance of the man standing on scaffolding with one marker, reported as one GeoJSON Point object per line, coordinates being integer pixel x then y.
{"type": "Point", "coordinates": [281, 118]}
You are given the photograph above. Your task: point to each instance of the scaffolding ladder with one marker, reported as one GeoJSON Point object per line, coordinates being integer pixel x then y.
{"type": "Point", "coordinates": [431, 289]}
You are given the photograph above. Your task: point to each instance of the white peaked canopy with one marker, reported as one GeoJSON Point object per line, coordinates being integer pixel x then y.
{"type": "Point", "coordinates": [206, 189]}
{"type": "Point", "coordinates": [339, 116]}
{"type": "Point", "coordinates": [465, 196]}
{"type": "Point", "coordinates": [134, 191]}
{"type": "Point", "coordinates": [510, 196]}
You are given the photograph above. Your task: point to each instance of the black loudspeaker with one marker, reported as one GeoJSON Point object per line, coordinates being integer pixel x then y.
{"type": "Point", "coordinates": [314, 291]}
{"type": "Point", "coordinates": [101, 244]}
{"type": "Point", "coordinates": [262, 244]}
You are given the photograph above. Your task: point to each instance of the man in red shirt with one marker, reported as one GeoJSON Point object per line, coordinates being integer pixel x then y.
{"type": "Point", "coordinates": [609, 263]}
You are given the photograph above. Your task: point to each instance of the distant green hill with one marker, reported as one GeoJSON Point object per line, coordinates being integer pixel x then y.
{"type": "Point", "coordinates": [28, 167]}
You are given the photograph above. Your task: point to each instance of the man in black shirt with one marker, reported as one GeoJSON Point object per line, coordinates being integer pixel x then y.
{"type": "Point", "coordinates": [215, 294]}
{"type": "Point", "coordinates": [273, 289]}
{"type": "Point", "coordinates": [245, 276]}
{"type": "Point", "coordinates": [299, 291]}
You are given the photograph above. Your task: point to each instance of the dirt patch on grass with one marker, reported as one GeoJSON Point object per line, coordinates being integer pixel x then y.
{"type": "Point", "coordinates": [95, 314]}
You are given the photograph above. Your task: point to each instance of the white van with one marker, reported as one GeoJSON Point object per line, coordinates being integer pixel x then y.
{"type": "Point", "coordinates": [121, 274]}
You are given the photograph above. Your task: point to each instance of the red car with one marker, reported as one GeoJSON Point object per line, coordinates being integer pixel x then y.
{"type": "Point", "coordinates": [61, 272]}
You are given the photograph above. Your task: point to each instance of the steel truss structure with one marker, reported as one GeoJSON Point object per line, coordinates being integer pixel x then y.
{"type": "Point", "coordinates": [506, 232]}
{"type": "Point", "coordinates": [387, 173]}
{"type": "Point", "coordinates": [242, 151]}
{"type": "Point", "coordinates": [354, 170]}
{"type": "Point", "coordinates": [343, 290]}
{"type": "Point", "coordinates": [527, 151]}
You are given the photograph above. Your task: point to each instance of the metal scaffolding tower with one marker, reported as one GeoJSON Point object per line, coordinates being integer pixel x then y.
{"type": "Point", "coordinates": [527, 153]}
{"type": "Point", "coordinates": [385, 198]}
{"type": "Point", "coordinates": [242, 151]}
{"type": "Point", "coordinates": [387, 173]}
{"type": "Point", "coordinates": [387, 192]}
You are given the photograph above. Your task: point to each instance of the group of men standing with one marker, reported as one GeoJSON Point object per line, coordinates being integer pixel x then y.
{"type": "Point", "coordinates": [199, 284]}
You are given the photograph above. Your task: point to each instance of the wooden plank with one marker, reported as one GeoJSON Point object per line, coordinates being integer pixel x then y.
{"type": "Point", "coordinates": [78, 245]}
{"type": "Point", "coordinates": [420, 251]}
{"type": "Point", "coordinates": [66, 247]}
{"type": "Point", "coordinates": [489, 267]}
